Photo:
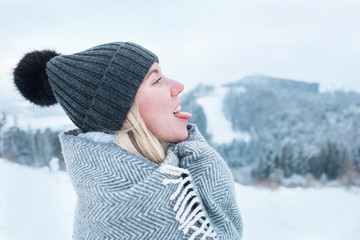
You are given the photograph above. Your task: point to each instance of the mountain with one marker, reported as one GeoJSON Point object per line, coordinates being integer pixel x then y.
{"type": "Point", "coordinates": [276, 84]}
{"type": "Point", "coordinates": [276, 124]}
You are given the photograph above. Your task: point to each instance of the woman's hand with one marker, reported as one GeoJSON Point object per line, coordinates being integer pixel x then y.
{"type": "Point", "coordinates": [191, 149]}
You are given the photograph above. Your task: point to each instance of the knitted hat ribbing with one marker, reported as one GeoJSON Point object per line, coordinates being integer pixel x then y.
{"type": "Point", "coordinates": [96, 87]}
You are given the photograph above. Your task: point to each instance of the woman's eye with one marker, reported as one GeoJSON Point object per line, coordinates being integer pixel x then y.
{"type": "Point", "coordinates": [157, 81]}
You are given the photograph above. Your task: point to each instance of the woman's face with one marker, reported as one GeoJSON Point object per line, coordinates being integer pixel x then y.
{"type": "Point", "coordinates": [157, 98]}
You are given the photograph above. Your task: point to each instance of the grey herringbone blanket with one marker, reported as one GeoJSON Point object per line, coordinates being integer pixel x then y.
{"type": "Point", "coordinates": [121, 195]}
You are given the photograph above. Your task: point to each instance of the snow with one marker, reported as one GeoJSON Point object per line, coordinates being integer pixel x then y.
{"type": "Point", "coordinates": [299, 214]}
{"type": "Point", "coordinates": [217, 125]}
{"type": "Point", "coordinates": [35, 203]}
{"type": "Point", "coordinates": [39, 204]}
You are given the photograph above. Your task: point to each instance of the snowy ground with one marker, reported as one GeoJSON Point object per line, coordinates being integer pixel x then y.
{"type": "Point", "coordinates": [300, 214]}
{"type": "Point", "coordinates": [34, 203]}
{"type": "Point", "coordinates": [39, 204]}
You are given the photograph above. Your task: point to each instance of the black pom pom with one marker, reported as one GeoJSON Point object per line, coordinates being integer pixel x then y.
{"type": "Point", "coordinates": [31, 79]}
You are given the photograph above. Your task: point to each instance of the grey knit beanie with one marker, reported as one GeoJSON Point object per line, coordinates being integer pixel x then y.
{"type": "Point", "coordinates": [95, 87]}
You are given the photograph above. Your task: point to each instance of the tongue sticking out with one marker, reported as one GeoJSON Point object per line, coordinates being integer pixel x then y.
{"type": "Point", "coordinates": [183, 115]}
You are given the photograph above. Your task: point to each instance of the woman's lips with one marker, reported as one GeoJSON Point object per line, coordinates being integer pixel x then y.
{"type": "Point", "coordinates": [183, 115]}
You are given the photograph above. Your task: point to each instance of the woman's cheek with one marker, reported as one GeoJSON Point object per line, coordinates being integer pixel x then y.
{"type": "Point", "coordinates": [145, 102]}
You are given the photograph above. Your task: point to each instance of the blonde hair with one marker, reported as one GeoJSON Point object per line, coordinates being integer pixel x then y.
{"type": "Point", "coordinates": [136, 137]}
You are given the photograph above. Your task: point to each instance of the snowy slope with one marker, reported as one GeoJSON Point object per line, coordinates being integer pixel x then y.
{"type": "Point", "coordinates": [37, 204]}
{"type": "Point", "coordinates": [217, 125]}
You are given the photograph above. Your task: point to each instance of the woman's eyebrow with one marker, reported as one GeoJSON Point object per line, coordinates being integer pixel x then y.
{"type": "Point", "coordinates": [155, 70]}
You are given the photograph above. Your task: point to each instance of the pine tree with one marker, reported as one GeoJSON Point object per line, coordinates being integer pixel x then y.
{"type": "Point", "coordinates": [301, 163]}
{"type": "Point", "coordinates": [286, 160]}
{"type": "Point", "coordinates": [332, 160]}
{"type": "Point", "coordinates": [2, 124]}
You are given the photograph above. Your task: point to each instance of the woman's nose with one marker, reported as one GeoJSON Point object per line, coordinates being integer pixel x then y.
{"type": "Point", "coordinates": [175, 87]}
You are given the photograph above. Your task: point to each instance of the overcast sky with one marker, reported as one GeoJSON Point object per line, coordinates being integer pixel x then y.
{"type": "Point", "coordinates": [203, 41]}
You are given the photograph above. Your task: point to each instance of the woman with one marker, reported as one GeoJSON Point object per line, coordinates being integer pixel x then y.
{"type": "Point", "coordinates": [140, 171]}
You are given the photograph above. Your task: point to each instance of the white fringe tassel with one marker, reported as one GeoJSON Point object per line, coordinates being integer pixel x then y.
{"type": "Point", "coordinates": [184, 216]}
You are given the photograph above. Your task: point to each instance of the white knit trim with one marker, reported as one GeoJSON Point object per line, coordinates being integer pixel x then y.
{"type": "Point", "coordinates": [182, 207]}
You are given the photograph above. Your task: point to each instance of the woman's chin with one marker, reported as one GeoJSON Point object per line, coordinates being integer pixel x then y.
{"type": "Point", "coordinates": [184, 137]}
{"type": "Point", "coordinates": [178, 137]}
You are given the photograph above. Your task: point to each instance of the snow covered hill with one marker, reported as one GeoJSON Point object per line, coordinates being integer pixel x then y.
{"type": "Point", "coordinates": [38, 204]}
{"type": "Point", "coordinates": [280, 127]}
{"type": "Point", "coordinates": [217, 125]}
